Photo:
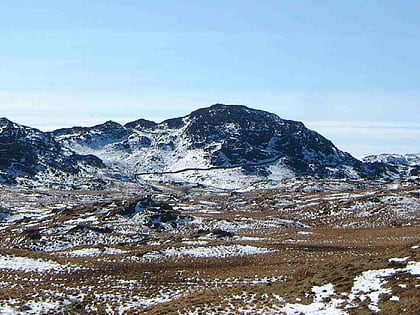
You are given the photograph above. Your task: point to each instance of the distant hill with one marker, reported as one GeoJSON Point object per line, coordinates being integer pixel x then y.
{"type": "Point", "coordinates": [254, 143]}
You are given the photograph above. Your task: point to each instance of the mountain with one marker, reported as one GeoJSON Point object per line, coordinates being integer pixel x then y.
{"type": "Point", "coordinates": [28, 152]}
{"type": "Point", "coordinates": [219, 136]}
{"type": "Point", "coordinates": [404, 164]}
{"type": "Point", "coordinates": [249, 136]}
{"type": "Point", "coordinates": [222, 145]}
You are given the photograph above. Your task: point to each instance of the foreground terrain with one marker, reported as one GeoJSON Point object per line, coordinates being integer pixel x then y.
{"type": "Point", "coordinates": [308, 247]}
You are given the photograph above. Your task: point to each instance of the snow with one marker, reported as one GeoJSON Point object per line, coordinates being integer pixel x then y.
{"type": "Point", "coordinates": [154, 243]}
{"type": "Point", "coordinates": [248, 239]}
{"type": "Point", "coordinates": [86, 252]}
{"type": "Point", "coordinates": [413, 268]}
{"type": "Point", "coordinates": [394, 298]}
{"type": "Point", "coordinates": [41, 307]}
{"type": "Point", "coordinates": [90, 219]}
{"type": "Point", "coordinates": [311, 309]}
{"type": "Point", "coordinates": [7, 310]}
{"type": "Point", "coordinates": [244, 223]}
{"type": "Point", "coordinates": [26, 264]}
{"type": "Point", "coordinates": [187, 242]}
{"type": "Point", "coordinates": [319, 306]}
{"type": "Point", "coordinates": [279, 172]}
{"type": "Point", "coordinates": [163, 296]}
{"type": "Point", "coordinates": [305, 233]}
{"type": "Point", "coordinates": [172, 149]}
{"type": "Point", "coordinates": [114, 251]}
{"type": "Point", "coordinates": [188, 159]}
{"type": "Point", "coordinates": [221, 251]}
{"type": "Point", "coordinates": [370, 284]}
{"type": "Point", "coordinates": [322, 292]}
{"type": "Point", "coordinates": [222, 178]}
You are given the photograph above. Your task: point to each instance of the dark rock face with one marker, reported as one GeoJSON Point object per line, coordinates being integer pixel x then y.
{"type": "Point", "coordinates": [402, 164]}
{"type": "Point", "coordinates": [141, 124]}
{"type": "Point", "coordinates": [157, 215]}
{"type": "Point", "coordinates": [250, 137]}
{"type": "Point", "coordinates": [27, 151]}
{"type": "Point", "coordinates": [33, 234]}
{"type": "Point", "coordinates": [162, 214]}
{"type": "Point", "coordinates": [64, 131]}
{"type": "Point", "coordinates": [415, 171]}
{"type": "Point", "coordinates": [173, 123]}
{"type": "Point", "coordinates": [88, 159]}
{"type": "Point", "coordinates": [3, 215]}
{"type": "Point", "coordinates": [219, 233]}
{"type": "Point", "coordinates": [110, 129]}
{"type": "Point", "coordinates": [90, 228]}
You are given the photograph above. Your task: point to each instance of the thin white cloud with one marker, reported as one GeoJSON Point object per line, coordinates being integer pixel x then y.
{"type": "Point", "coordinates": [390, 129]}
{"type": "Point", "coordinates": [362, 138]}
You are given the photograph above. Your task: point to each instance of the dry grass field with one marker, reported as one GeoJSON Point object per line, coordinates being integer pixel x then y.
{"type": "Point", "coordinates": [342, 249]}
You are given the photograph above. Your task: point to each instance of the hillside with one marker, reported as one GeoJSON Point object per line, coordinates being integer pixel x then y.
{"type": "Point", "coordinates": [228, 146]}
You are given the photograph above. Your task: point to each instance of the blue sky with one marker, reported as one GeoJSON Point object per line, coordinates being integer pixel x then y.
{"type": "Point", "coordinates": [348, 69]}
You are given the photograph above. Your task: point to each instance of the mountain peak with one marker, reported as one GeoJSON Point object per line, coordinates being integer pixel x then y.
{"type": "Point", "coordinates": [4, 121]}
{"type": "Point", "coordinates": [227, 106]}
{"type": "Point", "coordinates": [110, 127]}
{"type": "Point", "coordinates": [224, 107]}
{"type": "Point", "coordinates": [220, 114]}
{"type": "Point", "coordinates": [108, 123]}
{"type": "Point", "coordinates": [141, 124]}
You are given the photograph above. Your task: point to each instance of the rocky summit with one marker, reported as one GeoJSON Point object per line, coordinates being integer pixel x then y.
{"type": "Point", "coordinates": [221, 145]}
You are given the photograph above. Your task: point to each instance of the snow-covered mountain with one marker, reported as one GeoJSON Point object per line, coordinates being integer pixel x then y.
{"type": "Point", "coordinates": [216, 136]}
{"type": "Point", "coordinates": [214, 145]}
{"type": "Point", "coordinates": [405, 164]}
{"type": "Point", "coordinates": [28, 152]}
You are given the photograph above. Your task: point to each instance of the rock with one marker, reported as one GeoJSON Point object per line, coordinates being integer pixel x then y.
{"type": "Point", "coordinates": [33, 234]}
{"type": "Point", "coordinates": [86, 228]}
{"type": "Point", "coordinates": [222, 233]}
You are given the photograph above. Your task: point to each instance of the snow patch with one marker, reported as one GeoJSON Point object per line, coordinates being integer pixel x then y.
{"type": "Point", "coordinates": [304, 233]}
{"type": "Point", "coordinates": [26, 264]}
{"type": "Point", "coordinates": [221, 251]}
{"type": "Point", "coordinates": [394, 298]}
{"type": "Point", "coordinates": [88, 252]}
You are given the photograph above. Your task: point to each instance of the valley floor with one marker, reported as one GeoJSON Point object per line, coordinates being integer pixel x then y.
{"type": "Point", "coordinates": [311, 248]}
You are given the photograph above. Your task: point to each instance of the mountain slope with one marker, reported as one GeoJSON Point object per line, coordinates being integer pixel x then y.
{"type": "Point", "coordinates": [404, 164]}
{"type": "Point", "coordinates": [29, 152]}
{"type": "Point", "coordinates": [222, 145]}
{"type": "Point", "coordinates": [251, 136]}
{"type": "Point", "coordinates": [221, 136]}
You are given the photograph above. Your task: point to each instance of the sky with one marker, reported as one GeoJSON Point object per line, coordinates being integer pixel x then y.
{"type": "Point", "coordinates": [347, 69]}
